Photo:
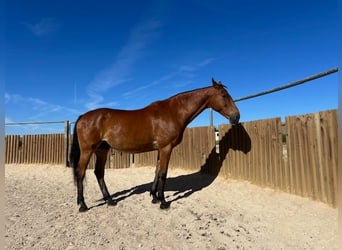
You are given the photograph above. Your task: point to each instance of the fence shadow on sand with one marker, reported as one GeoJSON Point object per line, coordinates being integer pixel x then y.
{"type": "Point", "coordinates": [185, 185]}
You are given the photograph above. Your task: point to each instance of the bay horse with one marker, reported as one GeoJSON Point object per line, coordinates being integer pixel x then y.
{"type": "Point", "coordinates": [158, 126]}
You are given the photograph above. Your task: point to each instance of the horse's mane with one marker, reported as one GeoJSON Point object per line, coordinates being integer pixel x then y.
{"type": "Point", "coordinates": [181, 94]}
{"type": "Point", "coordinates": [191, 91]}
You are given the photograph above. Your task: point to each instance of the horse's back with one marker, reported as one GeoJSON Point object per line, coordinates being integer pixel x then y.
{"type": "Point", "coordinates": [124, 130]}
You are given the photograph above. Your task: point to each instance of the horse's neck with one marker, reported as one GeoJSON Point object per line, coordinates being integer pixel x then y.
{"type": "Point", "coordinates": [191, 104]}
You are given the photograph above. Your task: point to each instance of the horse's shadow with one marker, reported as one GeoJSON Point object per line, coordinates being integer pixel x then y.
{"type": "Point", "coordinates": [183, 186]}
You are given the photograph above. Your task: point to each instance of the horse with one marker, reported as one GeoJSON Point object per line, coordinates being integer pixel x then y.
{"type": "Point", "coordinates": [158, 126]}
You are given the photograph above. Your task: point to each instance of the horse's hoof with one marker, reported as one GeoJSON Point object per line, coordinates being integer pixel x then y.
{"type": "Point", "coordinates": [111, 203]}
{"type": "Point", "coordinates": [83, 209]}
{"type": "Point", "coordinates": [155, 200]}
{"type": "Point", "coordinates": [165, 205]}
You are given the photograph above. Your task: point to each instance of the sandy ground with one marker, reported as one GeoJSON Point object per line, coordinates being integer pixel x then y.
{"type": "Point", "coordinates": [205, 213]}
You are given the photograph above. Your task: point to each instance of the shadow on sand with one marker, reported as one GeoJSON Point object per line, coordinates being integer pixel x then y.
{"type": "Point", "coordinates": [185, 185]}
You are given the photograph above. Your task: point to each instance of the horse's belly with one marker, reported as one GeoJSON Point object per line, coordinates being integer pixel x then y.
{"type": "Point", "coordinates": [133, 148]}
{"type": "Point", "coordinates": [130, 142]}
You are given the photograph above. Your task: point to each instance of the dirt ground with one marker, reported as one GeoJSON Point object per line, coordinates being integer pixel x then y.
{"type": "Point", "coordinates": [205, 213]}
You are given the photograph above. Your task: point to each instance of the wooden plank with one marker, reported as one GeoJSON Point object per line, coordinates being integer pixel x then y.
{"type": "Point", "coordinates": [332, 153]}
{"type": "Point", "coordinates": [327, 132]}
{"type": "Point", "coordinates": [51, 145]}
{"type": "Point", "coordinates": [26, 149]}
{"type": "Point", "coordinates": [53, 151]}
{"type": "Point", "coordinates": [291, 151]}
{"type": "Point", "coordinates": [62, 154]}
{"type": "Point", "coordinates": [8, 149]}
{"type": "Point", "coordinates": [40, 143]}
{"type": "Point", "coordinates": [313, 160]}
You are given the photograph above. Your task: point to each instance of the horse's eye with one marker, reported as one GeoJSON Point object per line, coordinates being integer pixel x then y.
{"type": "Point", "coordinates": [225, 96]}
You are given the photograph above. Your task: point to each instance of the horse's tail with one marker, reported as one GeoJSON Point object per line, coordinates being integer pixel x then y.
{"type": "Point", "coordinates": [75, 152]}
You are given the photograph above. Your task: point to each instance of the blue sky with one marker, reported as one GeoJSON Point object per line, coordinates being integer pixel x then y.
{"type": "Point", "coordinates": [64, 58]}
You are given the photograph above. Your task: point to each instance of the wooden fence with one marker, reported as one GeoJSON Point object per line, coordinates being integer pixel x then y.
{"type": "Point", "coordinates": [306, 165]}
{"type": "Point", "coordinates": [44, 148]}
{"type": "Point", "coordinates": [253, 151]}
{"type": "Point", "coordinates": [115, 159]}
{"type": "Point", "coordinates": [312, 144]}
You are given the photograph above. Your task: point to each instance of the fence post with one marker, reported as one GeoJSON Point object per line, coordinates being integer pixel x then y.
{"type": "Point", "coordinates": [66, 141]}
{"type": "Point", "coordinates": [131, 160]}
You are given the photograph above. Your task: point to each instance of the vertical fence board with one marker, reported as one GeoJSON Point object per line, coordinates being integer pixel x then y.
{"type": "Point", "coordinates": [26, 149]}
{"type": "Point", "coordinates": [61, 150]}
{"type": "Point", "coordinates": [52, 147]}
{"type": "Point", "coordinates": [40, 146]}
{"type": "Point", "coordinates": [328, 124]}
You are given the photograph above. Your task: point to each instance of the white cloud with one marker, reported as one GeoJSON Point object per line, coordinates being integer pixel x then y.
{"type": "Point", "coordinates": [140, 38]}
{"type": "Point", "coordinates": [149, 85]}
{"type": "Point", "coordinates": [34, 109]}
{"type": "Point", "coordinates": [43, 27]}
{"type": "Point", "coordinates": [207, 61]}
{"type": "Point", "coordinates": [196, 66]}
{"type": "Point", "coordinates": [182, 75]}
{"type": "Point", "coordinates": [187, 68]}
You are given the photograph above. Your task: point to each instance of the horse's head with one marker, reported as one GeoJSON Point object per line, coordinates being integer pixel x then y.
{"type": "Point", "coordinates": [222, 102]}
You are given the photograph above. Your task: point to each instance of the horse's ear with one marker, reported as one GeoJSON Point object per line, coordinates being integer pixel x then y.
{"type": "Point", "coordinates": [215, 84]}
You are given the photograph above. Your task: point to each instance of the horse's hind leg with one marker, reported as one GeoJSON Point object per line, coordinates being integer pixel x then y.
{"type": "Point", "coordinates": [80, 173]}
{"type": "Point", "coordinates": [101, 158]}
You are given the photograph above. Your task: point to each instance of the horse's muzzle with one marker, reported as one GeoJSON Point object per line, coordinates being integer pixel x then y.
{"type": "Point", "coordinates": [234, 118]}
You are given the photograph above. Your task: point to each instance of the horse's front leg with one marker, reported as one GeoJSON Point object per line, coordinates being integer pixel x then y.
{"type": "Point", "coordinates": [160, 178]}
{"type": "Point", "coordinates": [153, 192]}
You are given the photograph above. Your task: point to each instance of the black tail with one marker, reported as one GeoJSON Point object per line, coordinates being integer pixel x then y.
{"type": "Point", "coordinates": [75, 152]}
